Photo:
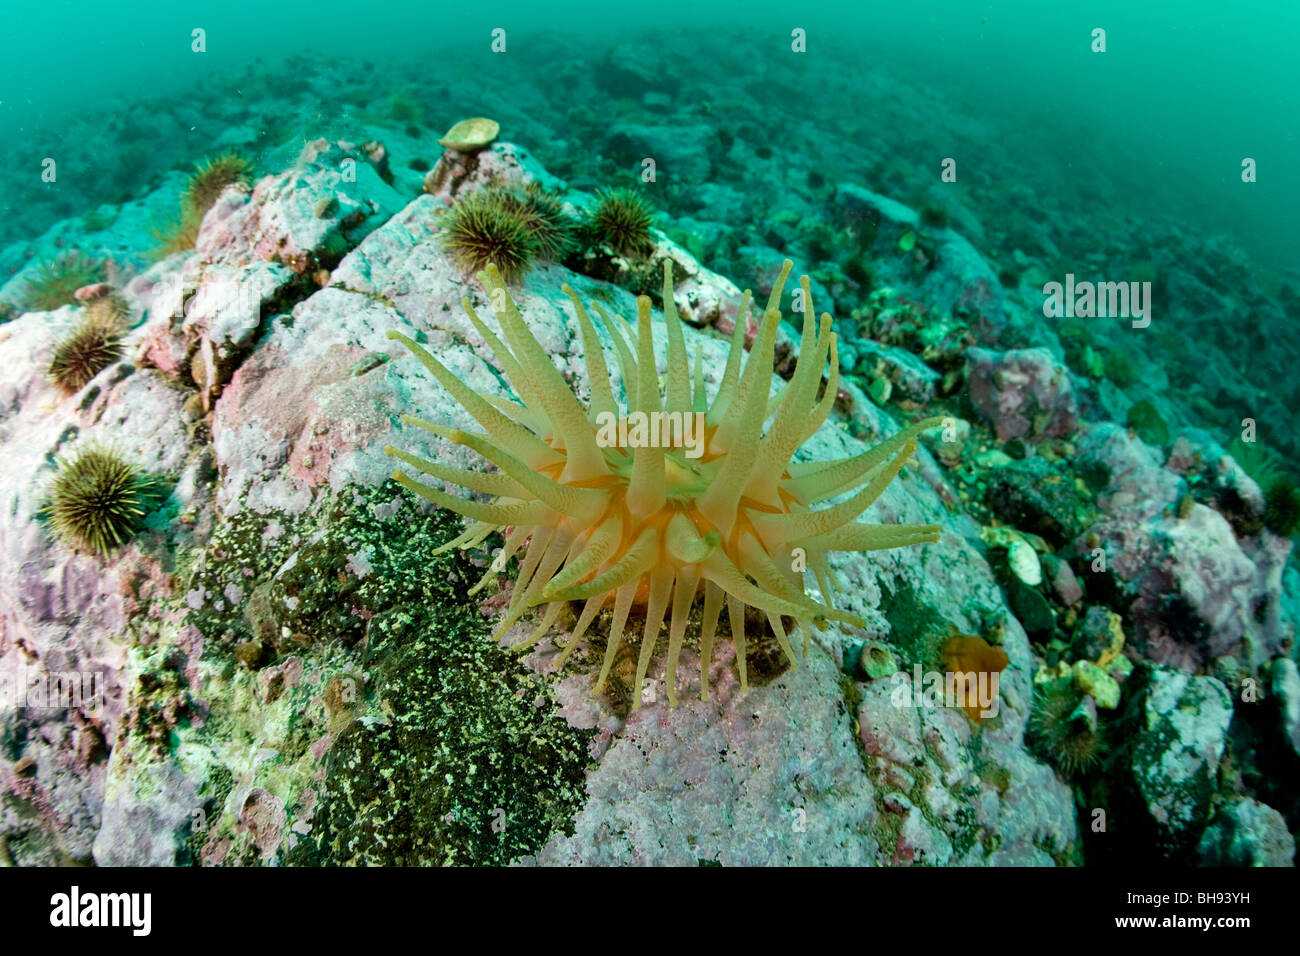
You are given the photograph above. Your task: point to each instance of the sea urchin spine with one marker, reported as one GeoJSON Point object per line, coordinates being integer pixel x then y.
{"type": "Point", "coordinates": [653, 526]}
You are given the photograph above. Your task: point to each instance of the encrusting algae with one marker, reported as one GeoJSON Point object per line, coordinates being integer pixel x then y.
{"type": "Point", "coordinates": [655, 524]}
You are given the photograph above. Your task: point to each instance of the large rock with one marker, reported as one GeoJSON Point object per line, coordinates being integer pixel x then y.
{"type": "Point", "coordinates": [1285, 684]}
{"type": "Point", "coordinates": [738, 780]}
{"type": "Point", "coordinates": [1023, 393]}
{"type": "Point", "coordinates": [67, 613]}
{"type": "Point", "coordinates": [947, 273]}
{"type": "Point", "coordinates": [306, 217]}
{"type": "Point", "coordinates": [1175, 756]}
{"type": "Point", "coordinates": [1245, 832]}
{"type": "Point", "coordinates": [1197, 592]}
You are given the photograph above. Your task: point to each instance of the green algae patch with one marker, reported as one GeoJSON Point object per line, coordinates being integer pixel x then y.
{"type": "Point", "coordinates": [351, 706]}
{"type": "Point", "coordinates": [470, 766]}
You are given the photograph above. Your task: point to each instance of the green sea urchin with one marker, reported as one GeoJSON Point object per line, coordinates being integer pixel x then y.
{"type": "Point", "coordinates": [485, 228]}
{"type": "Point", "coordinates": [1263, 464]}
{"type": "Point", "coordinates": [57, 281]}
{"type": "Point", "coordinates": [97, 500]}
{"type": "Point", "coordinates": [1064, 728]}
{"type": "Point", "coordinates": [93, 345]}
{"type": "Point", "coordinates": [211, 177]}
{"type": "Point", "coordinates": [605, 510]}
{"type": "Point", "coordinates": [622, 221]}
{"type": "Point", "coordinates": [175, 233]}
{"type": "Point", "coordinates": [543, 214]}
{"type": "Point", "coordinates": [1282, 507]}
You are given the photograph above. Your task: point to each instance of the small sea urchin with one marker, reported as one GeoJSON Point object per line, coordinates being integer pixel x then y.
{"type": "Point", "coordinates": [1064, 728]}
{"type": "Point", "coordinates": [211, 177]}
{"type": "Point", "coordinates": [1282, 507]}
{"type": "Point", "coordinates": [622, 221]}
{"type": "Point", "coordinates": [91, 347]}
{"type": "Point", "coordinates": [544, 216]}
{"type": "Point", "coordinates": [97, 500]}
{"type": "Point", "coordinates": [57, 281]}
{"type": "Point", "coordinates": [485, 228]}
{"type": "Point", "coordinates": [173, 234]}
{"type": "Point", "coordinates": [607, 511]}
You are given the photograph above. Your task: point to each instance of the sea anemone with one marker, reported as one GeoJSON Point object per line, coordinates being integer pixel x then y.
{"type": "Point", "coordinates": [97, 500]}
{"type": "Point", "coordinates": [625, 506]}
{"type": "Point", "coordinates": [91, 347]}
{"type": "Point", "coordinates": [485, 228]}
{"type": "Point", "coordinates": [57, 281]}
{"type": "Point", "coordinates": [210, 179]}
{"type": "Point", "coordinates": [622, 221]}
{"type": "Point", "coordinates": [1064, 728]}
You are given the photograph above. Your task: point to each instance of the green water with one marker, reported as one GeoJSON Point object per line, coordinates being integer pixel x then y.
{"type": "Point", "coordinates": [1184, 91]}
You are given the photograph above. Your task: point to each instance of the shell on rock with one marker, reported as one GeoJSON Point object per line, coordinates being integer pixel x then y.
{"type": "Point", "coordinates": [471, 135]}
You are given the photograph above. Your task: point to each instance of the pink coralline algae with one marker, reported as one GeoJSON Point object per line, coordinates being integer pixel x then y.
{"type": "Point", "coordinates": [1024, 393]}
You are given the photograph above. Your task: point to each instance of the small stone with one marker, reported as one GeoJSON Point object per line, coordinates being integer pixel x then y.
{"type": "Point", "coordinates": [1024, 563]}
{"type": "Point", "coordinates": [948, 441]}
{"type": "Point", "coordinates": [1176, 752]}
{"type": "Point", "coordinates": [89, 293]}
{"type": "Point", "coordinates": [1035, 614]}
{"type": "Point", "coordinates": [1100, 632]}
{"type": "Point", "coordinates": [1226, 670]}
{"type": "Point", "coordinates": [1024, 394]}
{"type": "Point", "coordinates": [250, 653]}
{"type": "Point", "coordinates": [1033, 495]}
{"type": "Point", "coordinates": [1064, 584]}
{"type": "Point", "coordinates": [193, 407]}
{"type": "Point", "coordinates": [992, 458]}
{"type": "Point", "coordinates": [1097, 684]}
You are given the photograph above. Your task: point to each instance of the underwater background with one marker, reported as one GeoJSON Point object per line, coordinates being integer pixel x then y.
{"type": "Point", "coordinates": [205, 237]}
